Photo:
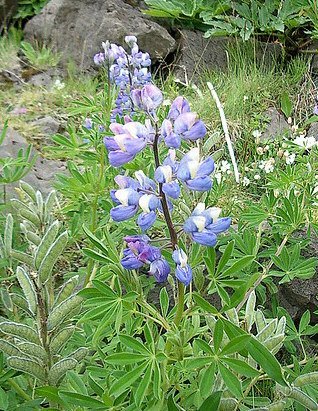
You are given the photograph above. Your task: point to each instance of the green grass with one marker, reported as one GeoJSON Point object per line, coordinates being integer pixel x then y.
{"type": "Point", "coordinates": [40, 57]}
{"type": "Point", "coordinates": [9, 47]}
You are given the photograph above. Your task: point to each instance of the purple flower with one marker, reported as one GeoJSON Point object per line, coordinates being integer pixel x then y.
{"type": "Point", "coordinates": [203, 225]}
{"type": "Point", "coordinates": [164, 175]}
{"type": "Point", "coordinates": [99, 58]}
{"type": "Point", "coordinates": [151, 97]}
{"type": "Point", "coordinates": [128, 200]}
{"type": "Point", "coordinates": [195, 173]}
{"type": "Point", "coordinates": [139, 253]}
{"type": "Point", "coordinates": [183, 270]}
{"type": "Point", "coordinates": [315, 110]}
{"type": "Point", "coordinates": [132, 137]}
{"type": "Point", "coordinates": [189, 127]}
{"type": "Point", "coordinates": [160, 269]}
{"type": "Point", "coordinates": [179, 106]}
{"type": "Point", "coordinates": [88, 123]}
{"type": "Point", "coordinates": [130, 40]}
{"type": "Point", "coordinates": [149, 204]}
{"type": "Point", "coordinates": [170, 137]}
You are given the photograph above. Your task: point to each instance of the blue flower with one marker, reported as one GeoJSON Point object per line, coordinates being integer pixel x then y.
{"type": "Point", "coordinates": [99, 58]}
{"type": "Point", "coordinates": [139, 252]}
{"type": "Point", "coordinates": [160, 269]}
{"type": "Point", "coordinates": [195, 173]}
{"type": "Point", "coordinates": [183, 270]}
{"type": "Point", "coordinates": [165, 175]}
{"type": "Point", "coordinates": [148, 98]}
{"type": "Point", "coordinates": [131, 138]}
{"type": "Point", "coordinates": [179, 106]}
{"type": "Point", "coordinates": [203, 225]}
{"type": "Point", "coordinates": [149, 204]}
{"type": "Point", "coordinates": [171, 139]}
{"type": "Point", "coordinates": [189, 127]}
{"type": "Point", "coordinates": [128, 200]}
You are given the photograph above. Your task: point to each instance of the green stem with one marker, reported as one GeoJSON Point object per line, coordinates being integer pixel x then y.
{"type": "Point", "coordinates": [180, 304]}
{"type": "Point", "coordinates": [18, 389]}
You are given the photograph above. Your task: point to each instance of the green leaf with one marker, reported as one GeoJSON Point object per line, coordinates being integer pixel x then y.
{"type": "Point", "coordinates": [207, 380]}
{"type": "Point", "coordinates": [143, 386]}
{"type": "Point", "coordinates": [126, 380]}
{"type": "Point", "coordinates": [124, 358]}
{"type": "Point", "coordinates": [50, 393]}
{"type": "Point", "coordinates": [238, 265]}
{"type": "Point", "coordinates": [225, 257]}
{"type": "Point", "coordinates": [218, 335]}
{"type": "Point", "coordinates": [198, 362]}
{"type": "Point", "coordinates": [212, 402]}
{"type": "Point", "coordinates": [4, 400]}
{"type": "Point", "coordinates": [231, 381]}
{"type": "Point", "coordinates": [266, 360]}
{"type": "Point", "coordinates": [134, 344]}
{"type": "Point", "coordinates": [241, 367]}
{"type": "Point", "coordinates": [164, 301]}
{"type": "Point", "coordinates": [286, 104]}
{"type": "Point", "coordinates": [209, 260]}
{"type": "Point", "coordinates": [82, 400]}
{"type": "Point", "coordinates": [236, 344]}
{"type": "Point", "coordinates": [204, 305]}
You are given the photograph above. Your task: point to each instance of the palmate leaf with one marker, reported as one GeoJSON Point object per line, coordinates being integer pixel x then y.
{"type": "Point", "coordinates": [127, 380]}
{"type": "Point", "coordinates": [258, 352]}
{"type": "Point", "coordinates": [81, 400]}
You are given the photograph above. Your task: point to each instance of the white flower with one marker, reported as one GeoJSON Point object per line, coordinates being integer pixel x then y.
{"type": "Point", "coordinates": [246, 181]}
{"type": "Point", "coordinates": [257, 177]}
{"type": "Point", "coordinates": [58, 85]}
{"type": "Point", "coordinates": [218, 177]}
{"type": "Point", "coordinates": [256, 134]}
{"type": "Point", "coordinates": [225, 165]}
{"type": "Point", "coordinates": [166, 102]}
{"type": "Point", "coordinates": [305, 142]}
{"type": "Point", "coordinates": [259, 150]}
{"type": "Point", "coordinates": [245, 98]}
{"type": "Point", "coordinates": [289, 158]}
{"type": "Point", "coordinates": [267, 166]}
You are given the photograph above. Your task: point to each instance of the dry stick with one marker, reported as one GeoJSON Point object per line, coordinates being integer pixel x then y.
{"type": "Point", "coordinates": [225, 129]}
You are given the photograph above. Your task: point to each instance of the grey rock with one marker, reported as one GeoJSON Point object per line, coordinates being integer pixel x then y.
{"type": "Point", "coordinates": [42, 174]}
{"type": "Point", "coordinates": [44, 79]}
{"type": "Point", "coordinates": [313, 130]}
{"type": "Point", "coordinates": [298, 295]}
{"type": "Point", "coordinates": [76, 28]}
{"type": "Point", "coordinates": [48, 126]}
{"type": "Point", "coordinates": [277, 125]}
{"type": "Point", "coordinates": [196, 54]}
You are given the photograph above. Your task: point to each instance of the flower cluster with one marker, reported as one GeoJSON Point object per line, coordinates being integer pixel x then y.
{"type": "Point", "coordinates": [127, 71]}
{"type": "Point", "coordinates": [140, 253]}
{"type": "Point", "coordinates": [150, 198]}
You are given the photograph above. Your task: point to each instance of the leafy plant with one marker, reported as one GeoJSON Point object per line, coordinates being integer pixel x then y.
{"type": "Point", "coordinates": [29, 8]}
{"type": "Point", "coordinates": [34, 341]}
{"type": "Point", "coordinates": [40, 57]}
{"type": "Point", "coordinates": [14, 169]}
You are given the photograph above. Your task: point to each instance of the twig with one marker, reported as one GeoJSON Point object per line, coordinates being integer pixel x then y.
{"type": "Point", "coordinates": [9, 73]}
{"type": "Point", "coordinates": [225, 129]}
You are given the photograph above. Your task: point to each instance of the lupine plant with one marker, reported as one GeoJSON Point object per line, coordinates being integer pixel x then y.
{"type": "Point", "coordinates": [40, 313]}
{"type": "Point", "coordinates": [181, 351]}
